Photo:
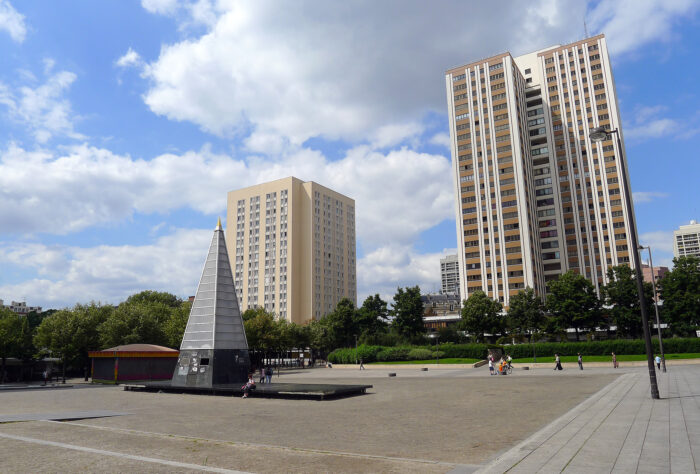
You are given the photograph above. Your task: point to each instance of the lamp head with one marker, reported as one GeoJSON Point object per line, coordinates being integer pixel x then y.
{"type": "Point", "coordinates": [598, 134]}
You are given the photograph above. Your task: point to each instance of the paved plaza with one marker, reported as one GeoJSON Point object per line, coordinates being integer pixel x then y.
{"type": "Point", "coordinates": [444, 420]}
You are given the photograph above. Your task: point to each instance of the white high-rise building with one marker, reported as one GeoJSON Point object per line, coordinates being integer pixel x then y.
{"type": "Point", "coordinates": [686, 240]}
{"type": "Point", "coordinates": [536, 197]}
{"type": "Point", "coordinates": [449, 274]}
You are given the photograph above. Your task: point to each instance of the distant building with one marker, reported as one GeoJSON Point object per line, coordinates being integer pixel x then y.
{"type": "Point", "coordinates": [440, 310]}
{"type": "Point", "coordinates": [449, 274]}
{"type": "Point", "coordinates": [20, 307]}
{"type": "Point", "coordinates": [292, 248]}
{"type": "Point", "coordinates": [659, 273]}
{"type": "Point", "coordinates": [686, 240]}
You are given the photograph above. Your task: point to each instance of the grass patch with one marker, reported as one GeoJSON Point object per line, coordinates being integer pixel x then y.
{"type": "Point", "coordinates": [448, 360]}
{"type": "Point", "coordinates": [607, 358]}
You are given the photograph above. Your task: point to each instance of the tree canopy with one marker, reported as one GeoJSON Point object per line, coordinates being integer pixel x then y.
{"type": "Point", "coordinates": [407, 311]}
{"type": "Point", "coordinates": [622, 297]}
{"type": "Point", "coordinates": [680, 291]}
{"type": "Point", "coordinates": [526, 313]}
{"type": "Point", "coordinates": [481, 315]}
{"type": "Point", "coordinates": [573, 303]}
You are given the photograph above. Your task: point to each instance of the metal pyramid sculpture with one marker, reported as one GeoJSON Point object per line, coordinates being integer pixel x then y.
{"type": "Point", "coordinates": [214, 348]}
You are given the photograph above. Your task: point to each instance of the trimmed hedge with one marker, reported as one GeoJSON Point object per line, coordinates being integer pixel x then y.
{"type": "Point", "coordinates": [618, 346]}
{"type": "Point", "coordinates": [517, 351]}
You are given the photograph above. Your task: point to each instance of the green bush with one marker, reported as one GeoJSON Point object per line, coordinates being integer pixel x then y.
{"type": "Point", "coordinates": [420, 354]}
{"type": "Point", "coordinates": [618, 346]}
{"type": "Point", "coordinates": [349, 355]}
{"type": "Point", "coordinates": [393, 353]}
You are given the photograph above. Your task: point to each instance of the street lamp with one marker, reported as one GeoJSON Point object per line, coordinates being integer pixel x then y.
{"type": "Point", "coordinates": [599, 134]}
{"type": "Point", "coordinates": [656, 306]}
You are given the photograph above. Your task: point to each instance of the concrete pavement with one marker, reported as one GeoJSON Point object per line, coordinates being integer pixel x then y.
{"type": "Point", "coordinates": [619, 429]}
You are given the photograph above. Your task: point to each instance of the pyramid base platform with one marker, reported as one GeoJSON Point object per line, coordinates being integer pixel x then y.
{"type": "Point", "coordinates": [273, 390]}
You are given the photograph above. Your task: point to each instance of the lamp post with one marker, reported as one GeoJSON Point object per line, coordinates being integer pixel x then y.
{"type": "Point", "coordinates": [656, 307]}
{"type": "Point", "coordinates": [599, 134]}
{"type": "Point", "coordinates": [355, 349]}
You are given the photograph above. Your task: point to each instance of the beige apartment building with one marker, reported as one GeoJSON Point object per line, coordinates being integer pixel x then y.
{"type": "Point", "coordinates": [292, 248]}
{"type": "Point", "coordinates": [535, 196]}
{"type": "Point", "coordinates": [686, 240]}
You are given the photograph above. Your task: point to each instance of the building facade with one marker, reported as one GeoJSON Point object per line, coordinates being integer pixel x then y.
{"type": "Point", "coordinates": [440, 310]}
{"type": "Point", "coordinates": [20, 307]}
{"type": "Point", "coordinates": [535, 196]}
{"type": "Point", "coordinates": [449, 275]}
{"type": "Point", "coordinates": [292, 248]}
{"type": "Point", "coordinates": [658, 273]}
{"type": "Point", "coordinates": [686, 240]}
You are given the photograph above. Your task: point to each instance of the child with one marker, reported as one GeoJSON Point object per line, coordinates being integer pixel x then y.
{"type": "Point", "coordinates": [250, 385]}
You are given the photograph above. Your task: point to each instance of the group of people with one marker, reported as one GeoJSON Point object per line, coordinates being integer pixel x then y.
{"type": "Point", "coordinates": [504, 364]}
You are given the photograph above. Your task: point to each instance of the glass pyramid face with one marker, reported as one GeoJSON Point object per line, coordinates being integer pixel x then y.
{"type": "Point", "coordinates": [215, 320]}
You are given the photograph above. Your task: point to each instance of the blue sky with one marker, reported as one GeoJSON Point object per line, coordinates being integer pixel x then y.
{"type": "Point", "coordinates": [124, 124]}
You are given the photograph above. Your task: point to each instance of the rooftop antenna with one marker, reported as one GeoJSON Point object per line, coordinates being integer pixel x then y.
{"type": "Point", "coordinates": [585, 27]}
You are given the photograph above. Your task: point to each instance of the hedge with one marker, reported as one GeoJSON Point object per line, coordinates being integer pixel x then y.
{"type": "Point", "coordinates": [517, 351]}
{"type": "Point", "coordinates": [618, 346]}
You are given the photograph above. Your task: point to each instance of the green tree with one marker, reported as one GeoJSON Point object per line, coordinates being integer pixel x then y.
{"type": "Point", "coordinates": [526, 313]}
{"type": "Point", "coordinates": [622, 298]}
{"type": "Point", "coordinates": [251, 313]}
{"type": "Point", "coordinates": [319, 340]}
{"type": "Point", "coordinates": [150, 296]}
{"type": "Point", "coordinates": [177, 322]}
{"type": "Point", "coordinates": [342, 324]}
{"type": "Point", "coordinates": [11, 337]}
{"type": "Point", "coordinates": [136, 322]}
{"type": "Point", "coordinates": [480, 315]}
{"type": "Point", "coordinates": [408, 313]}
{"type": "Point", "coordinates": [69, 334]}
{"type": "Point", "coordinates": [680, 292]}
{"type": "Point", "coordinates": [372, 316]}
{"type": "Point", "coordinates": [573, 303]}
{"type": "Point", "coordinates": [260, 332]}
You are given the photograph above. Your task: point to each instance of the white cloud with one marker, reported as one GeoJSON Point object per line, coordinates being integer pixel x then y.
{"type": "Point", "coordinates": [340, 71]}
{"type": "Point", "coordinates": [398, 195]}
{"type": "Point", "coordinates": [394, 134]}
{"type": "Point", "coordinates": [641, 197]}
{"type": "Point", "coordinates": [12, 21]}
{"type": "Point", "coordinates": [390, 266]}
{"type": "Point", "coordinates": [661, 243]}
{"type": "Point", "coordinates": [43, 109]}
{"type": "Point", "coordinates": [161, 7]}
{"type": "Point", "coordinates": [130, 59]}
{"type": "Point", "coordinates": [649, 123]}
{"type": "Point", "coordinates": [442, 139]}
{"type": "Point", "coordinates": [631, 24]}
{"type": "Point", "coordinates": [70, 274]}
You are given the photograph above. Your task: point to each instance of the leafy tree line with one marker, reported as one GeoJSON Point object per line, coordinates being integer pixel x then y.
{"type": "Point", "coordinates": [572, 302]}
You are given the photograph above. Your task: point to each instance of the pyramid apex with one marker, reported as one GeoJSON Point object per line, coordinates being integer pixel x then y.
{"type": "Point", "coordinates": [218, 224]}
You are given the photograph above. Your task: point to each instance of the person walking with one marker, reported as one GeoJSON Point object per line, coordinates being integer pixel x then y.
{"type": "Point", "coordinates": [268, 374]}
{"type": "Point", "coordinates": [557, 362]}
{"type": "Point", "coordinates": [362, 365]}
{"type": "Point", "coordinates": [490, 366]}
{"type": "Point", "coordinates": [614, 360]}
{"type": "Point", "coordinates": [580, 361]}
{"type": "Point", "coordinates": [657, 359]}
{"type": "Point", "coordinates": [46, 376]}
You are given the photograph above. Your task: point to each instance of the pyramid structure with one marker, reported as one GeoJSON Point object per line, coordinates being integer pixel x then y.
{"type": "Point", "coordinates": [214, 349]}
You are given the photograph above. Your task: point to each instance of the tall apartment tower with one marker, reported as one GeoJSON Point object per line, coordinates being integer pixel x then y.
{"type": "Point", "coordinates": [686, 240]}
{"type": "Point", "coordinates": [292, 248]}
{"type": "Point", "coordinates": [535, 196]}
{"type": "Point", "coordinates": [449, 274]}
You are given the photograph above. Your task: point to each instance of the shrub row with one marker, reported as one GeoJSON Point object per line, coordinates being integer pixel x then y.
{"type": "Point", "coordinates": [517, 351]}
{"type": "Point", "coordinates": [618, 346]}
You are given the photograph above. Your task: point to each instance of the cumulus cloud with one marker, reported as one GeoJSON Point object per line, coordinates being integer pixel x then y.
{"type": "Point", "coordinates": [650, 122]}
{"type": "Point", "coordinates": [12, 22]}
{"type": "Point", "coordinates": [43, 109]}
{"type": "Point", "coordinates": [661, 243]}
{"type": "Point", "coordinates": [68, 274]}
{"type": "Point", "coordinates": [338, 71]}
{"type": "Point", "coordinates": [390, 266]}
{"type": "Point", "coordinates": [130, 59]}
{"type": "Point", "coordinates": [620, 20]}
{"type": "Point", "coordinates": [442, 139]}
{"type": "Point", "coordinates": [641, 197]}
{"type": "Point", "coordinates": [84, 186]}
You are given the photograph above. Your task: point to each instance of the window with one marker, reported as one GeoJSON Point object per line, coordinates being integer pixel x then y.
{"type": "Point", "coordinates": [543, 192]}
{"type": "Point", "coordinates": [459, 77]}
{"type": "Point", "coordinates": [493, 77]}
{"type": "Point", "coordinates": [543, 181]}
{"type": "Point", "coordinates": [500, 96]}
{"type": "Point", "coordinates": [459, 87]}
{"type": "Point", "coordinates": [493, 67]}
{"type": "Point", "coordinates": [462, 116]}
{"type": "Point", "coordinates": [527, 71]}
